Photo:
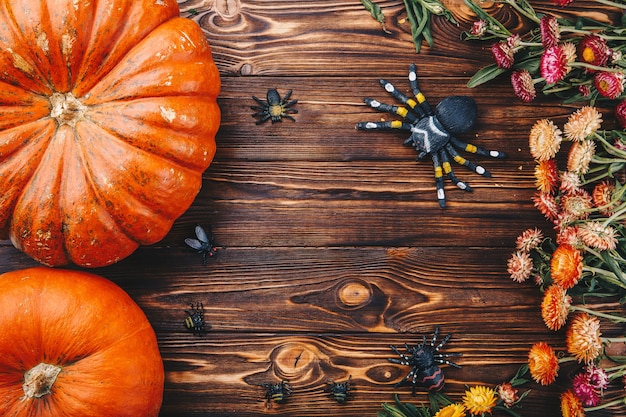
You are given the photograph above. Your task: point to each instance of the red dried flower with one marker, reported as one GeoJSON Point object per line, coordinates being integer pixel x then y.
{"type": "Point", "coordinates": [593, 50]}
{"type": "Point", "coordinates": [620, 113]}
{"type": "Point", "coordinates": [523, 85]}
{"type": "Point", "coordinates": [550, 33]}
{"type": "Point", "coordinates": [503, 54]}
{"type": "Point", "coordinates": [562, 3]}
{"type": "Point", "coordinates": [566, 266]}
{"type": "Point", "coordinates": [609, 84]}
{"type": "Point", "coordinates": [554, 64]}
{"type": "Point", "coordinates": [479, 28]}
{"type": "Point", "coordinates": [584, 90]}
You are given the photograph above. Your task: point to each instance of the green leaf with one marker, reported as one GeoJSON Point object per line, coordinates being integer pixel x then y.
{"type": "Point", "coordinates": [484, 75]}
{"type": "Point", "coordinates": [376, 12]}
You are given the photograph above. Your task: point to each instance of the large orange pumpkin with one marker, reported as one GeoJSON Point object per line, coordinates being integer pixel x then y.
{"type": "Point", "coordinates": [75, 344]}
{"type": "Point", "coordinates": [108, 116]}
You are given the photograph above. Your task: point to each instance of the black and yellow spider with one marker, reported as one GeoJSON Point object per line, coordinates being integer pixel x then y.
{"type": "Point", "coordinates": [433, 133]}
{"type": "Point", "coordinates": [275, 108]}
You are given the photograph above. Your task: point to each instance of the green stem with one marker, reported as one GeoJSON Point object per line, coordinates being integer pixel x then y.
{"type": "Point", "coordinates": [618, 401]}
{"type": "Point", "coordinates": [616, 319]}
{"type": "Point", "coordinates": [531, 16]}
{"type": "Point", "coordinates": [612, 4]}
{"type": "Point", "coordinates": [606, 275]}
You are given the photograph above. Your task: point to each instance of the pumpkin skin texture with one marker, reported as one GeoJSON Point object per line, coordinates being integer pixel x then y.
{"type": "Point", "coordinates": [87, 326]}
{"type": "Point", "coordinates": [108, 117]}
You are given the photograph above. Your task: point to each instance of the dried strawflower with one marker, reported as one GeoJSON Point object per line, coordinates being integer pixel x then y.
{"type": "Point", "coordinates": [543, 363]}
{"type": "Point", "coordinates": [550, 34]}
{"type": "Point", "coordinates": [562, 3]}
{"type": "Point", "coordinates": [555, 307]}
{"type": "Point", "coordinates": [544, 140]}
{"type": "Point", "coordinates": [520, 266]}
{"type": "Point", "coordinates": [602, 197]}
{"type": "Point", "coordinates": [598, 377]}
{"type": "Point", "coordinates": [576, 205]}
{"type": "Point", "coordinates": [609, 84]}
{"type": "Point", "coordinates": [523, 85]}
{"type": "Point", "coordinates": [571, 405]}
{"type": "Point", "coordinates": [593, 50]}
{"type": "Point", "coordinates": [597, 235]}
{"type": "Point", "coordinates": [508, 394]}
{"type": "Point", "coordinates": [529, 239]}
{"type": "Point", "coordinates": [582, 123]}
{"type": "Point", "coordinates": [479, 28]}
{"type": "Point", "coordinates": [583, 338]}
{"type": "Point", "coordinates": [584, 391]}
{"type": "Point", "coordinates": [620, 113]}
{"type": "Point", "coordinates": [547, 205]}
{"type": "Point", "coordinates": [546, 176]}
{"type": "Point", "coordinates": [554, 64]}
{"type": "Point", "coordinates": [451, 410]}
{"type": "Point", "coordinates": [566, 266]}
{"type": "Point", "coordinates": [503, 54]}
{"type": "Point", "coordinates": [569, 182]}
{"type": "Point", "coordinates": [568, 236]}
{"type": "Point", "coordinates": [580, 155]}
{"type": "Point", "coordinates": [479, 399]}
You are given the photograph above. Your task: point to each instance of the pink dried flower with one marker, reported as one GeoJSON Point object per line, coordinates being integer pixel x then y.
{"type": "Point", "coordinates": [593, 50]}
{"type": "Point", "coordinates": [568, 236]}
{"type": "Point", "coordinates": [562, 3]}
{"type": "Point", "coordinates": [529, 240]}
{"type": "Point", "coordinates": [508, 394]}
{"type": "Point", "coordinates": [609, 84]}
{"type": "Point", "coordinates": [479, 28]}
{"type": "Point", "coordinates": [584, 391]}
{"type": "Point", "coordinates": [503, 54]}
{"type": "Point", "coordinates": [523, 85]}
{"type": "Point", "coordinates": [550, 33]}
{"type": "Point", "coordinates": [584, 90]}
{"type": "Point", "coordinates": [578, 204]}
{"type": "Point", "coordinates": [598, 236]}
{"type": "Point", "coordinates": [620, 113]}
{"type": "Point", "coordinates": [598, 377]}
{"type": "Point", "coordinates": [554, 64]}
{"type": "Point", "coordinates": [520, 266]}
{"type": "Point", "coordinates": [570, 182]}
{"type": "Point", "coordinates": [547, 205]}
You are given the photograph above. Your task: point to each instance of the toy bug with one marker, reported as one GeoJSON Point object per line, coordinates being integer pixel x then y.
{"type": "Point", "coordinates": [423, 359]}
{"type": "Point", "coordinates": [433, 133]}
{"type": "Point", "coordinates": [204, 244]}
{"type": "Point", "coordinates": [275, 108]}
{"type": "Point", "coordinates": [340, 391]}
{"type": "Point", "coordinates": [195, 319]}
{"type": "Point", "coordinates": [277, 393]}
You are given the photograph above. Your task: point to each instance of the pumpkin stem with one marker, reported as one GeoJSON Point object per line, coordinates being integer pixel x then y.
{"type": "Point", "coordinates": [67, 109]}
{"type": "Point", "coordinates": [38, 381]}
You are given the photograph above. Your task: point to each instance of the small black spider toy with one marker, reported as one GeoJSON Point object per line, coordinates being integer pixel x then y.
{"type": "Point", "coordinates": [340, 391]}
{"type": "Point", "coordinates": [195, 319]}
{"type": "Point", "coordinates": [423, 359]}
{"type": "Point", "coordinates": [203, 244]}
{"type": "Point", "coordinates": [277, 393]}
{"type": "Point", "coordinates": [274, 108]}
{"type": "Point", "coordinates": [433, 132]}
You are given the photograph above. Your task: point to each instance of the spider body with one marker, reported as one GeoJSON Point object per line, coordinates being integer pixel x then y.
{"type": "Point", "coordinates": [274, 108]}
{"type": "Point", "coordinates": [277, 393]}
{"type": "Point", "coordinates": [433, 132]}
{"type": "Point", "coordinates": [195, 319]}
{"type": "Point", "coordinates": [204, 244]}
{"type": "Point", "coordinates": [340, 391]}
{"type": "Point", "coordinates": [424, 359]}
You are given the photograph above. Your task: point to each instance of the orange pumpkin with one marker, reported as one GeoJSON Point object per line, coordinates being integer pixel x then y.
{"type": "Point", "coordinates": [108, 118]}
{"type": "Point", "coordinates": [75, 344]}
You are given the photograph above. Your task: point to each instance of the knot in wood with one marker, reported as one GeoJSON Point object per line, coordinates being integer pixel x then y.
{"type": "Point", "coordinates": [354, 294]}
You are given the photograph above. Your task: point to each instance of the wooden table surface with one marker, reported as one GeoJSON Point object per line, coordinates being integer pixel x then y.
{"type": "Point", "coordinates": [335, 244]}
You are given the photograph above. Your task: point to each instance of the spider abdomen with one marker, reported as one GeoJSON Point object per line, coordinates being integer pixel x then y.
{"type": "Point", "coordinates": [432, 378]}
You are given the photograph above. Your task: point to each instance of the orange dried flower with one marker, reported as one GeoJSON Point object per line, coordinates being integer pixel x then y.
{"type": "Point", "coordinates": [544, 139]}
{"type": "Point", "coordinates": [571, 406]}
{"type": "Point", "coordinates": [555, 307]}
{"type": "Point", "coordinates": [566, 266]}
{"type": "Point", "coordinates": [542, 363]}
{"type": "Point", "coordinates": [583, 123]}
{"type": "Point", "coordinates": [583, 338]}
{"type": "Point", "coordinates": [546, 176]}
{"type": "Point", "coordinates": [602, 197]}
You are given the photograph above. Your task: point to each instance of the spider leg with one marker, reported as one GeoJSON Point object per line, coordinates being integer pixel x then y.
{"type": "Point", "coordinates": [465, 162]}
{"type": "Point", "coordinates": [395, 124]}
{"type": "Point", "coordinates": [412, 374]}
{"type": "Point", "coordinates": [435, 336]}
{"type": "Point", "coordinates": [413, 104]}
{"type": "Point", "coordinates": [286, 96]}
{"type": "Point", "coordinates": [443, 342]}
{"type": "Point", "coordinates": [447, 362]}
{"type": "Point", "coordinates": [264, 116]}
{"type": "Point", "coordinates": [441, 195]}
{"type": "Point", "coordinates": [263, 103]}
{"type": "Point", "coordinates": [416, 91]}
{"type": "Point", "coordinates": [468, 147]}
{"type": "Point", "coordinates": [447, 170]}
{"type": "Point", "coordinates": [389, 108]}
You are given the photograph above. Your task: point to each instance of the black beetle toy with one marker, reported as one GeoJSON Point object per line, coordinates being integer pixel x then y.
{"type": "Point", "coordinates": [433, 133]}
{"type": "Point", "coordinates": [195, 319]}
{"type": "Point", "coordinates": [423, 359]}
{"type": "Point", "coordinates": [204, 244]}
{"type": "Point", "coordinates": [340, 391]}
{"type": "Point", "coordinates": [275, 108]}
{"type": "Point", "coordinates": [277, 393]}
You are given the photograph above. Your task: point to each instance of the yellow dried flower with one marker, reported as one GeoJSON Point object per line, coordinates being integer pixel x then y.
{"type": "Point", "coordinates": [582, 123]}
{"type": "Point", "coordinates": [544, 140]}
{"type": "Point", "coordinates": [479, 399]}
{"type": "Point", "coordinates": [452, 410]}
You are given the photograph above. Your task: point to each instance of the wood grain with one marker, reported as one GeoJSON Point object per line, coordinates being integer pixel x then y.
{"type": "Point", "coordinates": [334, 245]}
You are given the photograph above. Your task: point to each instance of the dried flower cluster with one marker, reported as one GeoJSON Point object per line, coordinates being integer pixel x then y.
{"type": "Point", "coordinates": [577, 60]}
{"type": "Point", "coordinates": [586, 258]}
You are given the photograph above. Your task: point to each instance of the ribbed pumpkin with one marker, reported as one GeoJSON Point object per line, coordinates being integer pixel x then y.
{"type": "Point", "coordinates": [108, 116]}
{"type": "Point", "coordinates": [75, 344]}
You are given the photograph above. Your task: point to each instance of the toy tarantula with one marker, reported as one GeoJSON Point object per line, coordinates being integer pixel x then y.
{"type": "Point", "coordinates": [433, 132]}
{"type": "Point", "coordinates": [195, 319]}
{"type": "Point", "coordinates": [340, 391]}
{"type": "Point", "coordinates": [275, 108]}
{"type": "Point", "coordinates": [423, 359]}
{"type": "Point", "coordinates": [276, 392]}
